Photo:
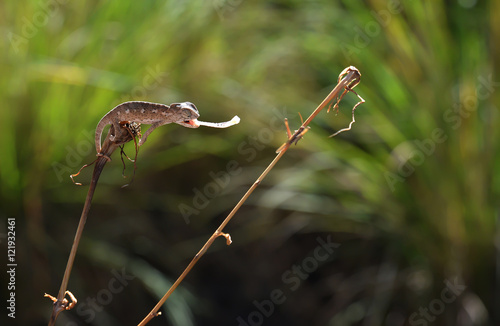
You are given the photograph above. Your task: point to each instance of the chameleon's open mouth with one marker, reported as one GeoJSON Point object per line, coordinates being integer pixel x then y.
{"type": "Point", "coordinates": [192, 123]}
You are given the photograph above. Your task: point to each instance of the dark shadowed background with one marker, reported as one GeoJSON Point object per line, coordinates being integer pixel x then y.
{"type": "Point", "coordinates": [392, 223]}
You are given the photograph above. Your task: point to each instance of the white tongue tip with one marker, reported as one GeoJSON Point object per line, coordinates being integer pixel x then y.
{"type": "Point", "coordinates": [232, 122]}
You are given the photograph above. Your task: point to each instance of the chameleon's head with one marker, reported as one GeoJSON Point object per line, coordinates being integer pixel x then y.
{"type": "Point", "coordinates": [187, 113]}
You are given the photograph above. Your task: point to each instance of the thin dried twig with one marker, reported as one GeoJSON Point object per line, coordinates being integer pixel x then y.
{"type": "Point", "coordinates": [348, 79]}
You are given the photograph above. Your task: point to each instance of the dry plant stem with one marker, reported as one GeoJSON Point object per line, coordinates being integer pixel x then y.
{"type": "Point", "coordinates": [207, 245]}
{"type": "Point", "coordinates": [348, 78]}
{"type": "Point", "coordinates": [122, 136]}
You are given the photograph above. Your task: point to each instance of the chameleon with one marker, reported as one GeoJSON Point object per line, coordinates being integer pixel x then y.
{"type": "Point", "coordinates": [185, 114]}
{"type": "Point", "coordinates": [125, 120]}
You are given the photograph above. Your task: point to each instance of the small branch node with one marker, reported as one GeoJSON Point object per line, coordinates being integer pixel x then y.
{"type": "Point", "coordinates": [295, 137]}
{"type": "Point", "coordinates": [64, 304]}
{"type": "Point", "coordinates": [227, 236]}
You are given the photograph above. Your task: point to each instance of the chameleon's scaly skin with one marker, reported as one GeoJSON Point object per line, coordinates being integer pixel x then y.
{"type": "Point", "coordinates": [147, 113]}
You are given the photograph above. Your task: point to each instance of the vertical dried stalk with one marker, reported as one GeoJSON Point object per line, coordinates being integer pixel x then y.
{"type": "Point", "coordinates": [348, 79]}
{"type": "Point", "coordinates": [122, 136]}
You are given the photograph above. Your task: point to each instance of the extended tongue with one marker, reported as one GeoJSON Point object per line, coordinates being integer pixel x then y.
{"type": "Point", "coordinates": [232, 122]}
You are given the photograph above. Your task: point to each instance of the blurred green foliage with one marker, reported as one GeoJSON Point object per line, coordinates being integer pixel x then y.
{"type": "Point", "coordinates": [410, 194]}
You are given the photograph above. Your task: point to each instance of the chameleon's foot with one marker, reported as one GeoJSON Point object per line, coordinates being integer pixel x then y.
{"type": "Point", "coordinates": [65, 304]}
{"type": "Point", "coordinates": [105, 156]}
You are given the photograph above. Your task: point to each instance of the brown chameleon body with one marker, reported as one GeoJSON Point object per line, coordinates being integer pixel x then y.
{"type": "Point", "coordinates": [154, 114]}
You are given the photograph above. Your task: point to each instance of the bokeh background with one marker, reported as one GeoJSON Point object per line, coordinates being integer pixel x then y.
{"type": "Point", "coordinates": [408, 199]}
